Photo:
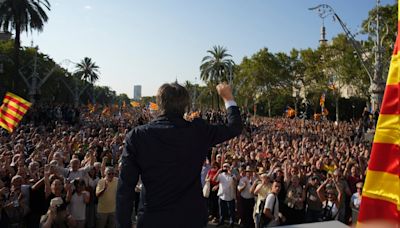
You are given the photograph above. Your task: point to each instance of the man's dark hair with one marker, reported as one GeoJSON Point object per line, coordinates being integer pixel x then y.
{"type": "Point", "coordinates": [172, 98]}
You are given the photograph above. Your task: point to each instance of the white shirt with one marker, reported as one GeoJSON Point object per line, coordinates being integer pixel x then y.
{"type": "Point", "coordinates": [269, 203]}
{"type": "Point", "coordinates": [356, 200]}
{"type": "Point", "coordinates": [77, 207]}
{"type": "Point", "coordinates": [226, 189]}
{"type": "Point", "coordinates": [334, 209]}
{"type": "Point", "coordinates": [246, 191]}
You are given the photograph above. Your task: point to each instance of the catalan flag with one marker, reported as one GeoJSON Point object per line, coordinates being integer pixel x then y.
{"type": "Point", "coordinates": [135, 104]}
{"type": "Point", "coordinates": [153, 106]}
{"type": "Point", "coordinates": [381, 192]}
{"type": "Point", "coordinates": [12, 111]}
{"type": "Point", "coordinates": [290, 112]}
{"type": "Point", "coordinates": [322, 100]}
{"type": "Point", "coordinates": [106, 111]}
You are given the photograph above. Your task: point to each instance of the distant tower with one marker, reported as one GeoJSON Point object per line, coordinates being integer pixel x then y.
{"type": "Point", "coordinates": [323, 39]}
{"type": "Point", "coordinates": [137, 92]}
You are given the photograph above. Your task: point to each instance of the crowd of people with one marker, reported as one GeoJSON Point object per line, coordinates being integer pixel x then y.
{"type": "Point", "coordinates": [288, 171]}
{"type": "Point", "coordinates": [59, 168]}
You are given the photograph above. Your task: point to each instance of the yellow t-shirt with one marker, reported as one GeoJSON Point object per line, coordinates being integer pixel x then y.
{"type": "Point", "coordinates": [106, 202]}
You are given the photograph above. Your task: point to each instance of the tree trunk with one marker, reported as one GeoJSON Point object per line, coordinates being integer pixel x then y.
{"type": "Point", "coordinates": [218, 103]}
{"type": "Point", "coordinates": [337, 106]}
{"type": "Point", "coordinates": [269, 107]}
{"type": "Point", "coordinates": [212, 100]}
{"type": "Point", "coordinates": [17, 45]}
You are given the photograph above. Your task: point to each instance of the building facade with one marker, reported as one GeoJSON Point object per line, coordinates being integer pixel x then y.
{"type": "Point", "coordinates": [137, 92]}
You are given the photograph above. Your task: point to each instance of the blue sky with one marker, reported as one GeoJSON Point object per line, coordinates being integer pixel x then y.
{"type": "Point", "coordinates": [156, 41]}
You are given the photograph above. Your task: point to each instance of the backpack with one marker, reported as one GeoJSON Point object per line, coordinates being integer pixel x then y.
{"type": "Point", "coordinates": [327, 212]}
{"type": "Point", "coordinates": [263, 220]}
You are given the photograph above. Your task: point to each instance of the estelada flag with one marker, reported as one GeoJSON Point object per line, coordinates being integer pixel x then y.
{"type": "Point", "coordinates": [135, 104]}
{"type": "Point", "coordinates": [12, 111]}
{"type": "Point", "coordinates": [381, 193]}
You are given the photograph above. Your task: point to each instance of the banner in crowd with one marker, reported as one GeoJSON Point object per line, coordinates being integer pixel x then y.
{"type": "Point", "coordinates": [106, 111]}
{"type": "Point", "coordinates": [12, 111]}
{"type": "Point", "coordinates": [381, 192]}
{"type": "Point", "coordinates": [290, 112]}
{"type": "Point", "coordinates": [91, 108]}
{"type": "Point", "coordinates": [135, 104]}
{"type": "Point", "coordinates": [322, 101]}
{"type": "Point", "coordinates": [153, 106]}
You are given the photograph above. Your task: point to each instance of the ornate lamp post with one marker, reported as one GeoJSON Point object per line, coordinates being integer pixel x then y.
{"type": "Point", "coordinates": [377, 84]}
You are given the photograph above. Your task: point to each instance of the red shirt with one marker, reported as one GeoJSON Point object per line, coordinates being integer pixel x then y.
{"type": "Point", "coordinates": [211, 174]}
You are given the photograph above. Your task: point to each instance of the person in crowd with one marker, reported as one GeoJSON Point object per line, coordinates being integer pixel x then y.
{"type": "Point", "coordinates": [261, 190]}
{"type": "Point", "coordinates": [57, 215]}
{"type": "Point", "coordinates": [172, 150]}
{"type": "Point", "coordinates": [313, 203]}
{"type": "Point", "coordinates": [77, 200]}
{"type": "Point", "coordinates": [213, 198]}
{"type": "Point", "coordinates": [294, 201]}
{"type": "Point", "coordinates": [273, 217]}
{"type": "Point", "coordinates": [226, 194]}
{"type": "Point", "coordinates": [247, 197]}
{"type": "Point", "coordinates": [331, 202]}
{"type": "Point", "coordinates": [106, 191]}
{"type": "Point", "coordinates": [356, 202]}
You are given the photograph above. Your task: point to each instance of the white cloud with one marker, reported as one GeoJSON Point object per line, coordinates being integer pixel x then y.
{"type": "Point", "coordinates": [88, 7]}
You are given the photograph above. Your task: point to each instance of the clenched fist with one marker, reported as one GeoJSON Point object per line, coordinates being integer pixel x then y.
{"type": "Point", "coordinates": [225, 91]}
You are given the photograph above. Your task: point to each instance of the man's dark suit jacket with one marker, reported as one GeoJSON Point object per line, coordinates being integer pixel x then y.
{"type": "Point", "coordinates": [168, 154]}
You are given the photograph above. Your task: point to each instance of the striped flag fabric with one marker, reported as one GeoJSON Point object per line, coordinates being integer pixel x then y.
{"type": "Point", "coordinates": [381, 192]}
{"type": "Point", "coordinates": [322, 100]}
{"type": "Point", "coordinates": [135, 104]}
{"type": "Point", "coordinates": [153, 106]}
{"type": "Point", "coordinates": [12, 111]}
{"type": "Point", "coordinates": [106, 111]}
{"type": "Point", "coordinates": [91, 108]}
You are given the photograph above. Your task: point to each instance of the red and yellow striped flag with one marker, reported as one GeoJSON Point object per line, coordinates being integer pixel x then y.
{"type": "Point", "coordinates": [106, 111]}
{"type": "Point", "coordinates": [12, 111]}
{"type": "Point", "coordinates": [381, 193]}
{"type": "Point", "coordinates": [153, 106]}
{"type": "Point", "coordinates": [135, 104]}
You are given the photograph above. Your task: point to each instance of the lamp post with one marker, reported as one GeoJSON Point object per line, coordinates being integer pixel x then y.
{"type": "Point", "coordinates": [194, 94]}
{"type": "Point", "coordinates": [377, 84]}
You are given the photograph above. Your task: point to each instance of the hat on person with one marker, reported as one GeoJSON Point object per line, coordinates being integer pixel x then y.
{"type": "Point", "coordinates": [360, 185]}
{"type": "Point", "coordinates": [249, 169]}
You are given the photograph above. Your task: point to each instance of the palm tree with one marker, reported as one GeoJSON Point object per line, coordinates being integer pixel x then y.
{"type": "Point", "coordinates": [87, 70]}
{"type": "Point", "coordinates": [217, 66]}
{"type": "Point", "coordinates": [22, 15]}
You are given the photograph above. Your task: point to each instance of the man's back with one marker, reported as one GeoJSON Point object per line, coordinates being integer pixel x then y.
{"type": "Point", "coordinates": [168, 153]}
